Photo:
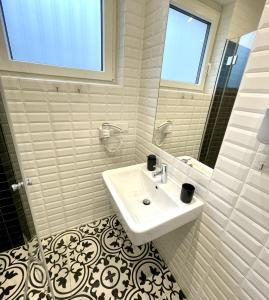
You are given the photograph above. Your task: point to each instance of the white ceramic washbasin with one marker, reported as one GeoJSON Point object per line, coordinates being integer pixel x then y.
{"type": "Point", "coordinates": [129, 186]}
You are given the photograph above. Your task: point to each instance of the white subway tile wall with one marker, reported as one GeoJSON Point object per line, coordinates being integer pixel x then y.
{"type": "Point", "coordinates": [56, 129]}
{"type": "Point", "coordinates": [154, 37]}
{"type": "Point", "coordinates": [188, 112]}
{"type": "Point", "coordinates": [225, 254]}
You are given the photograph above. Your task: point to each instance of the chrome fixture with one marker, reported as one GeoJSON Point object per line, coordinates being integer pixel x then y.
{"type": "Point", "coordinates": [162, 131]}
{"type": "Point", "coordinates": [106, 128]}
{"type": "Point", "coordinates": [146, 202]}
{"type": "Point", "coordinates": [107, 131]}
{"type": "Point", "coordinates": [162, 172]}
{"type": "Point", "coordinates": [263, 137]}
{"type": "Point", "coordinates": [17, 186]}
{"type": "Point", "coordinates": [165, 125]}
{"type": "Point", "coordinates": [187, 161]}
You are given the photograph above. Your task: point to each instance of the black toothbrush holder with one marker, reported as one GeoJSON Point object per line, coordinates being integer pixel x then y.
{"type": "Point", "coordinates": [151, 162]}
{"type": "Point", "coordinates": [187, 192]}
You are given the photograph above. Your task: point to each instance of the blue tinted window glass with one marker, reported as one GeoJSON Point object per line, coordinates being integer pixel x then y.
{"type": "Point", "coordinates": [66, 33]}
{"type": "Point", "coordinates": [186, 38]}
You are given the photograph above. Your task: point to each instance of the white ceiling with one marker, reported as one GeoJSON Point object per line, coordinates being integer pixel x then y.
{"type": "Point", "coordinates": [224, 2]}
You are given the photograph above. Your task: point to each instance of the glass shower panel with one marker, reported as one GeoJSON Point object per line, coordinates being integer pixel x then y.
{"type": "Point", "coordinates": [210, 148]}
{"type": "Point", "coordinates": [20, 249]}
{"type": "Point", "coordinates": [231, 71]}
{"type": "Point", "coordinates": [242, 54]}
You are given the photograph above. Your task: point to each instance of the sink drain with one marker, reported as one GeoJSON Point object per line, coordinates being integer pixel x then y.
{"type": "Point", "coordinates": [146, 202]}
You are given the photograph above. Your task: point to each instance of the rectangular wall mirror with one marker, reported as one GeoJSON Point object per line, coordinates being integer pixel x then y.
{"type": "Point", "coordinates": [206, 50]}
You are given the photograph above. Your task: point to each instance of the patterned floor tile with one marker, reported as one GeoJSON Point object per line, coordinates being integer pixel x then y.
{"type": "Point", "coordinates": [13, 270]}
{"type": "Point", "coordinates": [37, 285]}
{"type": "Point", "coordinates": [94, 261]}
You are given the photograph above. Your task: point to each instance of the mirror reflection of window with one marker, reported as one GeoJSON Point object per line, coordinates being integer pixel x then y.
{"type": "Point", "coordinates": [185, 44]}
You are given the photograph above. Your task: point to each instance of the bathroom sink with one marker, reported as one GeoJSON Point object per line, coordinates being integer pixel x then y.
{"type": "Point", "coordinates": [147, 208]}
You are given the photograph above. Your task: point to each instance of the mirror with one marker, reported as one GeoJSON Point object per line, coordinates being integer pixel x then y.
{"type": "Point", "coordinates": [206, 49]}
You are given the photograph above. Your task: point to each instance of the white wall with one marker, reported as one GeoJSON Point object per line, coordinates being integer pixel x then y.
{"type": "Point", "coordinates": [57, 136]}
{"type": "Point", "coordinates": [245, 18]}
{"type": "Point", "coordinates": [225, 254]}
{"type": "Point", "coordinates": [222, 35]}
{"type": "Point", "coordinates": [188, 112]}
{"type": "Point", "coordinates": [155, 24]}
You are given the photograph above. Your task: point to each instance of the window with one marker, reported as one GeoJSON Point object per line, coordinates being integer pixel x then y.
{"type": "Point", "coordinates": [187, 48]}
{"type": "Point", "coordinates": [66, 34]}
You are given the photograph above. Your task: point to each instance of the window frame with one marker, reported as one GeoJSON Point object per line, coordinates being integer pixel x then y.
{"type": "Point", "coordinates": [108, 52]}
{"type": "Point", "coordinates": [208, 14]}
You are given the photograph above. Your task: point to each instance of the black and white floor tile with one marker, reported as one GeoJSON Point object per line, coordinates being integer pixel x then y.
{"type": "Point", "coordinates": [13, 273]}
{"type": "Point", "coordinates": [94, 261]}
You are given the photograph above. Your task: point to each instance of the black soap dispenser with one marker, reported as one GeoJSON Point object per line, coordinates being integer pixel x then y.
{"type": "Point", "coordinates": [151, 162]}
